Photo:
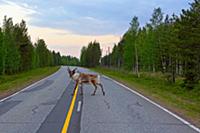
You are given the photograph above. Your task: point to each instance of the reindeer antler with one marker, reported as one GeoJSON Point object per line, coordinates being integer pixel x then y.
{"type": "Point", "coordinates": [75, 69]}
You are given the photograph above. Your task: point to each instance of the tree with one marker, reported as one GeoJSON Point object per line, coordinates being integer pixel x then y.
{"type": "Point", "coordinates": [96, 53]}
{"type": "Point", "coordinates": [168, 47]}
{"type": "Point", "coordinates": [131, 53]}
{"type": "Point", "coordinates": [11, 59]}
{"type": "Point", "coordinates": [90, 55]}
{"type": "Point", "coordinates": [114, 56]}
{"type": "Point", "coordinates": [83, 57]}
{"type": "Point", "coordinates": [57, 58]}
{"type": "Point", "coordinates": [42, 53]}
{"type": "Point", "coordinates": [35, 58]}
{"type": "Point", "coordinates": [128, 54]}
{"type": "Point", "coordinates": [189, 34]}
{"type": "Point", "coordinates": [69, 60]}
{"type": "Point", "coordinates": [1, 52]}
{"type": "Point", "coordinates": [24, 45]}
{"type": "Point", "coordinates": [156, 20]}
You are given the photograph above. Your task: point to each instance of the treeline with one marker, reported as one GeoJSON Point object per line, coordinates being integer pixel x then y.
{"type": "Point", "coordinates": [70, 60]}
{"type": "Point", "coordinates": [170, 44]}
{"type": "Point", "coordinates": [18, 53]}
{"type": "Point", "coordinates": [90, 55]}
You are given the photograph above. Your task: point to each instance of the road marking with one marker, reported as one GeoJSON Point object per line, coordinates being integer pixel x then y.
{"type": "Point", "coordinates": [79, 106]}
{"type": "Point", "coordinates": [159, 106]}
{"type": "Point", "coordinates": [69, 114]}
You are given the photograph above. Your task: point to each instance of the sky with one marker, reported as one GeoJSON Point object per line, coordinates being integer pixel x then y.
{"type": "Point", "coordinates": [67, 25]}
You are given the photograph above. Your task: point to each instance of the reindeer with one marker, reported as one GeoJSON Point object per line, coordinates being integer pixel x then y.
{"type": "Point", "coordinates": [82, 78]}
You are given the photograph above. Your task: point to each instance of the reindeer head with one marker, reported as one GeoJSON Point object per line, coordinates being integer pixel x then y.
{"type": "Point", "coordinates": [71, 73]}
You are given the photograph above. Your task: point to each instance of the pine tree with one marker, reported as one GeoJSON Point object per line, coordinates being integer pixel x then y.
{"type": "Point", "coordinates": [23, 42]}
{"type": "Point", "coordinates": [156, 20]}
{"type": "Point", "coordinates": [189, 34]}
{"type": "Point", "coordinates": [90, 55]}
{"type": "Point", "coordinates": [42, 53]}
{"type": "Point", "coordinates": [11, 59]}
{"type": "Point", "coordinates": [1, 51]}
{"type": "Point", "coordinates": [131, 51]}
{"type": "Point", "coordinates": [83, 56]}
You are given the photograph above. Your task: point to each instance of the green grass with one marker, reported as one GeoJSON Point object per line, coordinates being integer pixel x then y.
{"type": "Point", "coordinates": [181, 101]}
{"type": "Point", "coordinates": [12, 83]}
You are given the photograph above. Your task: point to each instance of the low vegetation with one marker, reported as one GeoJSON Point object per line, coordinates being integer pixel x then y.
{"type": "Point", "coordinates": [12, 83]}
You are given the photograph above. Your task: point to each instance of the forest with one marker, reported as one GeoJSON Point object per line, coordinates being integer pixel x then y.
{"type": "Point", "coordinates": [18, 53]}
{"type": "Point", "coordinates": [167, 44]}
{"type": "Point", "coordinates": [90, 55]}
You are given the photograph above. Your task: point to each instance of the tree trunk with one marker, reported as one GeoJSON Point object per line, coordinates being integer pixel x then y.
{"type": "Point", "coordinates": [4, 59]}
{"type": "Point", "coordinates": [173, 74]}
{"type": "Point", "coordinates": [154, 69]}
{"type": "Point", "coordinates": [173, 70]}
{"type": "Point", "coordinates": [3, 66]}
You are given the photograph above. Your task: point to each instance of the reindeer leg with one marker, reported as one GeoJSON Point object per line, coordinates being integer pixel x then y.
{"type": "Point", "coordinates": [73, 92]}
{"type": "Point", "coordinates": [74, 89]}
{"type": "Point", "coordinates": [94, 89]}
{"type": "Point", "coordinates": [101, 88]}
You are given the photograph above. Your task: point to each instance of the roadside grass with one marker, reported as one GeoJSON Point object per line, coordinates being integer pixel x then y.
{"type": "Point", "coordinates": [185, 103]}
{"type": "Point", "coordinates": [12, 83]}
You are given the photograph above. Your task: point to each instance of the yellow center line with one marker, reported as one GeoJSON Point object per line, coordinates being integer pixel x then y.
{"type": "Point", "coordinates": [69, 114]}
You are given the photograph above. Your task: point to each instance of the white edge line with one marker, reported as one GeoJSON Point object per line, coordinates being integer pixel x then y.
{"type": "Point", "coordinates": [28, 87]}
{"type": "Point", "coordinates": [159, 106]}
{"type": "Point", "coordinates": [79, 106]}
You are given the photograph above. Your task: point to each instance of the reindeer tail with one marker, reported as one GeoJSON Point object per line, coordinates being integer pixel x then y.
{"type": "Point", "coordinates": [98, 79]}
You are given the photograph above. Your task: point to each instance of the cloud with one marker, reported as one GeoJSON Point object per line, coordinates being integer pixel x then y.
{"type": "Point", "coordinates": [96, 17]}
{"type": "Point", "coordinates": [16, 11]}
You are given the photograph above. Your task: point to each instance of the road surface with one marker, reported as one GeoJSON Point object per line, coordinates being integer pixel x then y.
{"type": "Point", "coordinates": [43, 108]}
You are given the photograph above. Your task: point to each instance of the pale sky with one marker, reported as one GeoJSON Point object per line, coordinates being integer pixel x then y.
{"type": "Point", "coordinates": [67, 25]}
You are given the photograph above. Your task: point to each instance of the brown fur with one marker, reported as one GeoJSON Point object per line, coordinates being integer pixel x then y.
{"type": "Point", "coordinates": [82, 78]}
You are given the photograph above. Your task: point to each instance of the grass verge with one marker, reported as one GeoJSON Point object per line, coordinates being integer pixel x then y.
{"type": "Point", "coordinates": [10, 84]}
{"type": "Point", "coordinates": [183, 102]}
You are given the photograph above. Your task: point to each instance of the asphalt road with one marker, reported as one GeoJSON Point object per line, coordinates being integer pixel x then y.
{"type": "Point", "coordinates": [43, 107]}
